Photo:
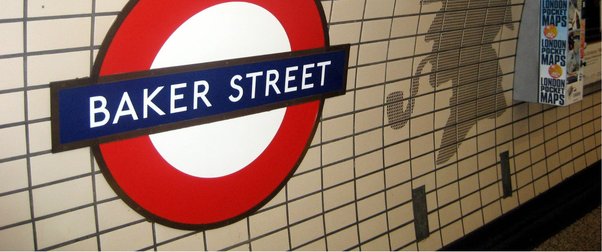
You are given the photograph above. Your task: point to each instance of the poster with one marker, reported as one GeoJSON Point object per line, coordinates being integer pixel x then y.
{"type": "Point", "coordinates": [561, 52]}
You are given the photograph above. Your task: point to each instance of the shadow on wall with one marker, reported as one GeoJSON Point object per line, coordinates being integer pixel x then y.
{"type": "Point", "coordinates": [474, 71]}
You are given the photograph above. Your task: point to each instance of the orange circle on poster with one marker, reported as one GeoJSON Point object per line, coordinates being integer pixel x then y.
{"type": "Point", "coordinates": [550, 31]}
{"type": "Point", "coordinates": [555, 71]}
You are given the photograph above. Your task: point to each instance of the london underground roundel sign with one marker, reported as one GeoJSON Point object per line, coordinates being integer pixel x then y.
{"type": "Point", "coordinates": [199, 111]}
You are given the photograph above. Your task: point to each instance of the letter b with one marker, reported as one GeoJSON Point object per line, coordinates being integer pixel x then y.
{"type": "Point", "coordinates": [102, 109]}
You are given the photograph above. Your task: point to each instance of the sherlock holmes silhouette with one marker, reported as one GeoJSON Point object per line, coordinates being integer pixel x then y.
{"type": "Point", "coordinates": [463, 52]}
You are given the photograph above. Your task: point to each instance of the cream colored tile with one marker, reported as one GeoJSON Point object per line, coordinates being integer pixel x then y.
{"type": "Point", "coordinates": [11, 41]}
{"type": "Point", "coordinates": [399, 69]}
{"type": "Point", "coordinates": [65, 227]}
{"type": "Point", "coordinates": [525, 194]}
{"type": "Point", "coordinates": [110, 5]}
{"type": "Point", "coordinates": [273, 242]}
{"type": "Point", "coordinates": [368, 163]}
{"type": "Point", "coordinates": [337, 128]}
{"type": "Point", "coordinates": [38, 103]}
{"type": "Point", "coordinates": [304, 208]}
{"type": "Point", "coordinates": [133, 237]}
{"type": "Point", "coordinates": [46, 68]}
{"type": "Point", "coordinates": [58, 34]}
{"type": "Point", "coordinates": [337, 151]}
{"type": "Point", "coordinates": [469, 185]}
{"type": "Point", "coordinates": [192, 242]}
{"type": "Point", "coordinates": [338, 105]}
{"type": "Point", "coordinates": [338, 196]}
{"type": "Point", "coordinates": [11, 110]}
{"type": "Point", "coordinates": [103, 190]}
{"type": "Point", "coordinates": [11, 73]}
{"type": "Point", "coordinates": [265, 222]}
{"type": "Point", "coordinates": [348, 33]}
{"type": "Point", "coordinates": [345, 10]}
{"type": "Point", "coordinates": [473, 221]}
{"type": "Point", "coordinates": [400, 215]}
{"type": "Point", "coordinates": [11, 9]}
{"type": "Point", "coordinates": [40, 8]}
{"type": "Point", "coordinates": [25, 241]}
{"type": "Point", "coordinates": [52, 167]}
{"type": "Point", "coordinates": [14, 175]}
{"type": "Point", "coordinates": [491, 212]}
{"type": "Point", "coordinates": [369, 141]}
{"type": "Point", "coordinates": [404, 26]}
{"type": "Point", "coordinates": [39, 137]}
{"type": "Point", "coordinates": [115, 213]}
{"type": "Point", "coordinates": [318, 245]}
{"type": "Point", "coordinates": [301, 185]}
{"type": "Point", "coordinates": [372, 52]}
{"type": "Point", "coordinates": [401, 48]}
{"type": "Point", "coordinates": [487, 158]}
{"type": "Point", "coordinates": [59, 197]}
{"type": "Point", "coordinates": [423, 165]}
{"type": "Point", "coordinates": [84, 245]}
{"type": "Point", "coordinates": [102, 24]}
{"type": "Point", "coordinates": [421, 145]}
{"type": "Point", "coordinates": [448, 194]}
{"type": "Point", "coordinates": [541, 185]}
{"type": "Point", "coordinates": [379, 8]}
{"type": "Point", "coordinates": [15, 136]}
{"type": "Point", "coordinates": [447, 174]}
{"type": "Point", "coordinates": [306, 231]}
{"type": "Point", "coordinates": [397, 153]}
{"type": "Point", "coordinates": [491, 193]}
{"type": "Point", "coordinates": [373, 227]}
{"type": "Point", "coordinates": [340, 218]}
{"type": "Point", "coordinates": [433, 242]}
{"type": "Point", "coordinates": [14, 208]}
{"type": "Point", "coordinates": [370, 184]}
{"type": "Point", "coordinates": [164, 233]}
{"type": "Point", "coordinates": [369, 119]}
{"type": "Point", "coordinates": [370, 206]}
{"type": "Point", "coordinates": [488, 175]}
{"type": "Point", "coordinates": [376, 30]}
{"type": "Point", "coordinates": [370, 75]}
{"type": "Point", "coordinates": [403, 236]}
{"type": "Point", "coordinates": [450, 213]}
{"type": "Point", "coordinates": [338, 173]}
{"type": "Point", "coordinates": [226, 236]}
{"type": "Point", "coordinates": [343, 240]}
{"type": "Point", "coordinates": [379, 244]}
{"type": "Point", "coordinates": [452, 232]}
{"type": "Point", "coordinates": [311, 160]}
{"type": "Point", "coordinates": [368, 98]}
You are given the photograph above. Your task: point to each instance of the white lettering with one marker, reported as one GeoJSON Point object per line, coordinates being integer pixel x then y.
{"type": "Point", "coordinates": [288, 78]}
{"type": "Point", "coordinates": [253, 77]}
{"type": "Point", "coordinates": [271, 82]}
{"type": "Point", "coordinates": [237, 87]}
{"type": "Point", "coordinates": [306, 75]}
{"type": "Point", "coordinates": [323, 65]}
{"type": "Point", "coordinates": [202, 95]}
{"type": "Point", "coordinates": [96, 110]}
{"type": "Point", "coordinates": [148, 102]}
{"type": "Point", "coordinates": [125, 100]}
{"type": "Point", "coordinates": [174, 97]}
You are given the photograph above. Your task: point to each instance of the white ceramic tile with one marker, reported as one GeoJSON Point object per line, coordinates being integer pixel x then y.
{"type": "Point", "coordinates": [379, 8]}
{"type": "Point", "coordinates": [305, 208]}
{"type": "Point", "coordinates": [345, 10]}
{"type": "Point", "coordinates": [47, 68]}
{"type": "Point", "coordinates": [110, 5]}
{"type": "Point", "coordinates": [373, 227]}
{"type": "Point", "coordinates": [267, 221]}
{"type": "Point", "coordinates": [58, 34]}
{"type": "Point", "coordinates": [85, 245]}
{"type": "Point", "coordinates": [11, 41]}
{"type": "Point", "coordinates": [59, 197]}
{"type": "Point", "coordinates": [343, 240]}
{"type": "Point", "coordinates": [304, 184]}
{"type": "Point", "coordinates": [11, 9]}
{"type": "Point", "coordinates": [227, 236]}
{"type": "Point", "coordinates": [339, 196]}
{"type": "Point", "coordinates": [25, 241]}
{"type": "Point", "coordinates": [51, 167]}
{"type": "Point", "coordinates": [115, 213]}
{"type": "Point", "coordinates": [307, 231]}
{"type": "Point", "coordinates": [272, 242]}
{"type": "Point", "coordinates": [102, 24]}
{"type": "Point", "coordinates": [38, 103]}
{"type": "Point", "coordinates": [65, 227]}
{"type": "Point", "coordinates": [376, 30]}
{"type": "Point", "coordinates": [11, 110]}
{"type": "Point", "coordinates": [193, 242]}
{"type": "Point", "coordinates": [370, 206]}
{"type": "Point", "coordinates": [11, 73]}
{"type": "Point", "coordinates": [14, 142]}
{"type": "Point", "coordinates": [134, 237]}
{"type": "Point", "coordinates": [14, 208]}
{"type": "Point", "coordinates": [39, 137]}
{"type": "Point", "coordinates": [40, 8]}
{"type": "Point", "coordinates": [14, 175]}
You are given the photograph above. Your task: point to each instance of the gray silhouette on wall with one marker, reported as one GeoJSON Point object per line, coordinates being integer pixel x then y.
{"type": "Point", "coordinates": [462, 34]}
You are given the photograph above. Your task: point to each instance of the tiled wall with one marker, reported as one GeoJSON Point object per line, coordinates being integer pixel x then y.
{"type": "Point", "coordinates": [353, 190]}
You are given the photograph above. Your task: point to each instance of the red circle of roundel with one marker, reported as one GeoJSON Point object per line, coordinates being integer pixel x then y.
{"type": "Point", "coordinates": [158, 190]}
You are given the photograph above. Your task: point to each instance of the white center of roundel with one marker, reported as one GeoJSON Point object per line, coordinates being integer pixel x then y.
{"type": "Point", "coordinates": [224, 31]}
